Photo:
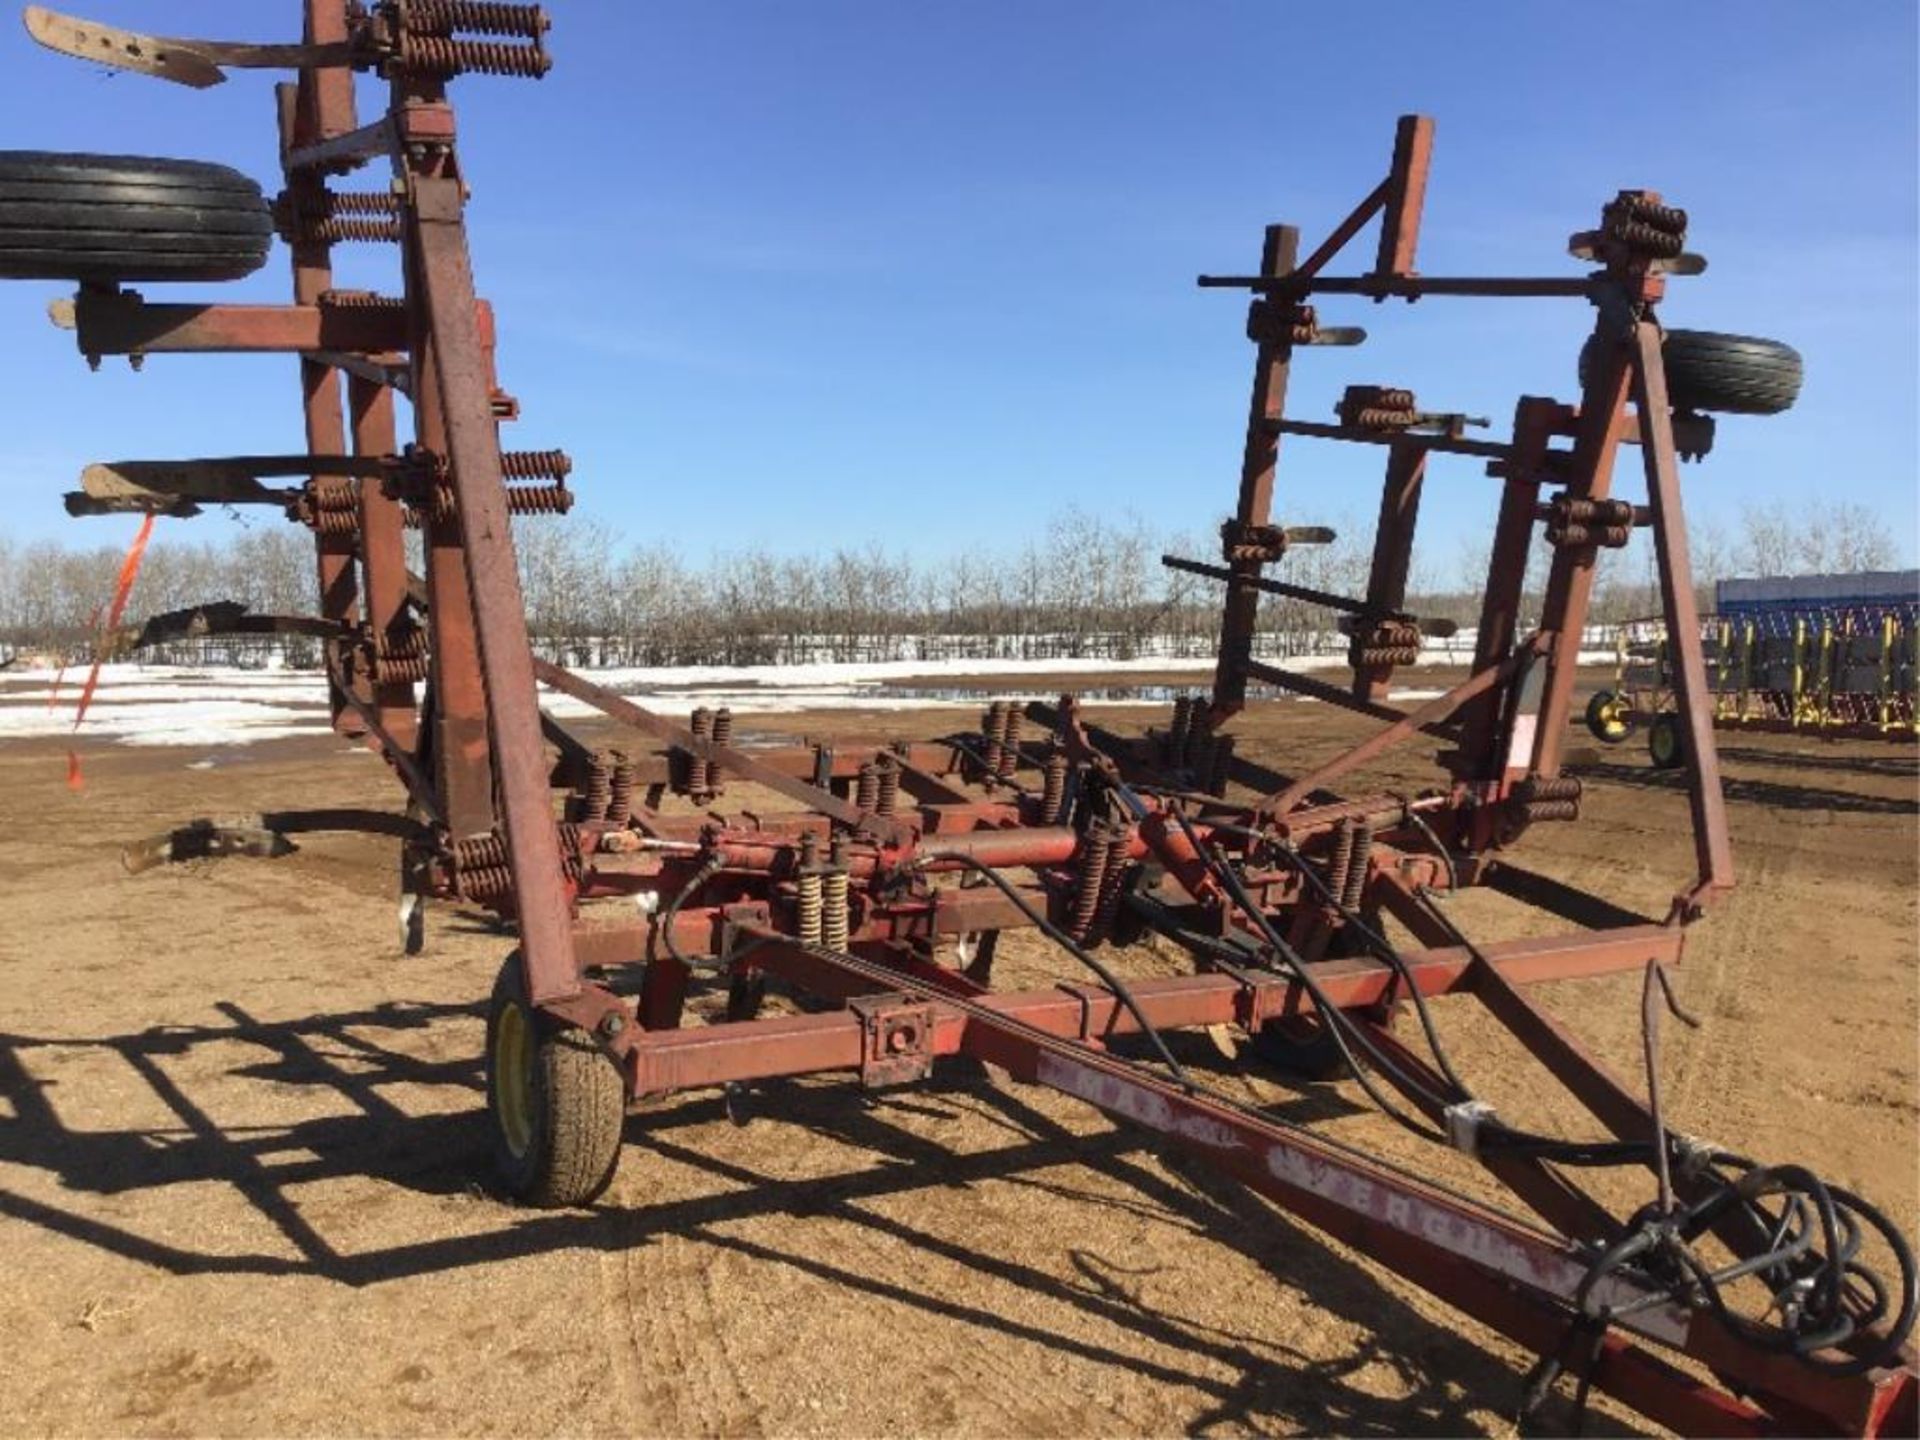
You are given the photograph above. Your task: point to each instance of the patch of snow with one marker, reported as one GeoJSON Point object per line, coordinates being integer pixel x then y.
{"type": "Point", "coordinates": [180, 722]}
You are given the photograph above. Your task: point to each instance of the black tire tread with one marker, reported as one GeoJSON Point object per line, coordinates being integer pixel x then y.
{"type": "Point", "coordinates": [579, 1114]}
{"type": "Point", "coordinates": [1664, 723]}
{"type": "Point", "coordinates": [47, 166]}
{"type": "Point", "coordinates": [586, 1114]}
{"type": "Point", "coordinates": [1736, 374]}
{"type": "Point", "coordinates": [111, 218]}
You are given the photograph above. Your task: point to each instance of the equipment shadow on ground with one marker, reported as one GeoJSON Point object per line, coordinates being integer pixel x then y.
{"type": "Point", "coordinates": [1901, 764]}
{"type": "Point", "coordinates": [1445, 1381]}
{"type": "Point", "coordinates": [1770, 793]}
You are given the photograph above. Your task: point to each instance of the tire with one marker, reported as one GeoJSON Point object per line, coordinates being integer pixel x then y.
{"type": "Point", "coordinates": [1608, 718]}
{"type": "Point", "coordinates": [1300, 1045]}
{"type": "Point", "coordinates": [1734, 374]}
{"type": "Point", "coordinates": [556, 1104]}
{"type": "Point", "coordinates": [1666, 742]}
{"type": "Point", "coordinates": [109, 218]}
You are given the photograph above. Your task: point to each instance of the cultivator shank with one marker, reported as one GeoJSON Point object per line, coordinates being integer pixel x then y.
{"type": "Point", "coordinates": [874, 883]}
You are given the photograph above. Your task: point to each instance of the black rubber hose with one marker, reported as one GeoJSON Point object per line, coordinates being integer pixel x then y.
{"type": "Point", "coordinates": [1378, 943]}
{"type": "Point", "coordinates": [1066, 942]}
{"type": "Point", "coordinates": [705, 873]}
{"type": "Point", "coordinates": [1338, 1025]}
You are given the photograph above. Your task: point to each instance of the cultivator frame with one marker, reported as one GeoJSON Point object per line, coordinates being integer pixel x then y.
{"type": "Point", "coordinates": [1279, 888]}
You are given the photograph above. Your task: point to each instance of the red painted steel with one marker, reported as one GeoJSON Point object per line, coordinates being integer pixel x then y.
{"type": "Point", "coordinates": [850, 895]}
{"type": "Point", "coordinates": [1271, 365]}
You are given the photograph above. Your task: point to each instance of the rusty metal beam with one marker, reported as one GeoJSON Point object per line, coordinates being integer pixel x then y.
{"type": "Point", "coordinates": [1406, 196]}
{"type": "Point", "coordinates": [1272, 362]}
{"type": "Point", "coordinates": [437, 232]}
{"type": "Point", "coordinates": [1693, 697]}
{"type": "Point", "coordinates": [124, 324]}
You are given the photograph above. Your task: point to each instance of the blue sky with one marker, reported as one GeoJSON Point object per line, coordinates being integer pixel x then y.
{"type": "Point", "coordinates": [797, 275]}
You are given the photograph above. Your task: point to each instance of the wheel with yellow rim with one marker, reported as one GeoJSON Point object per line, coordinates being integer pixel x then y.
{"type": "Point", "coordinates": [555, 1102]}
{"type": "Point", "coordinates": [1609, 717]}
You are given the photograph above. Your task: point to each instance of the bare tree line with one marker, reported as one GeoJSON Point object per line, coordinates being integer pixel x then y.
{"type": "Point", "coordinates": [1085, 586]}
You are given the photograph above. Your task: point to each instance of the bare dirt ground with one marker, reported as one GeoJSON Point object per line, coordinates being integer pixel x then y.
{"type": "Point", "coordinates": [242, 1176]}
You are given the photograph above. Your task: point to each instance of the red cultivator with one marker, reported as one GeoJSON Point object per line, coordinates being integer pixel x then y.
{"type": "Point", "coordinates": [1743, 1298]}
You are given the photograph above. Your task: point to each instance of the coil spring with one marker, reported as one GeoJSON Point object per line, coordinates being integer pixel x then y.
{"type": "Point", "coordinates": [1053, 789]}
{"type": "Point", "coordinates": [1634, 205]}
{"type": "Point", "coordinates": [337, 215]}
{"type": "Point", "coordinates": [1008, 759]}
{"type": "Point", "coordinates": [477, 857]}
{"type": "Point", "coordinates": [1113, 883]}
{"type": "Point", "coordinates": [360, 300]}
{"type": "Point", "coordinates": [1180, 728]}
{"type": "Point", "coordinates": [1644, 226]}
{"type": "Point", "coordinates": [1386, 656]}
{"type": "Point", "coordinates": [329, 494]}
{"type": "Point", "coordinates": [358, 202]}
{"type": "Point", "coordinates": [620, 789]}
{"type": "Point", "coordinates": [992, 722]}
{"type": "Point", "coordinates": [1584, 512]}
{"type": "Point", "coordinates": [1387, 643]}
{"type": "Point", "coordinates": [722, 736]}
{"type": "Point", "coordinates": [1271, 323]}
{"type": "Point", "coordinates": [478, 17]}
{"type": "Point", "coordinates": [486, 883]}
{"type": "Point", "coordinates": [362, 228]}
{"type": "Point", "coordinates": [554, 465]}
{"type": "Point", "coordinates": [887, 800]}
{"type": "Point", "coordinates": [442, 57]}
{"type": "Point", "coordinates": [1374, 418]}
{"type": "Point", "coordinates": [1089, 883]}
{"type": "Point", "coordinates": [336, 229]}
{"type": "Point", "coordinates": [477, 852]}
{"type": "Point", "coordinates": [333, 522]}
{"type": "Point", "coordinates": [699, 768]}
{"type": "Point", "coordinates": [599, 790]}
{"type": "Point", "coordinates": [573, 841]}
{"type": "Point", "coordinates": [808, 906]}
{"type": "Point", "coordinates": [1613, 537]}
{"type": "Point", "coordinates": [408, 641]}
{"type": "Point", "coordinates": [835, 921]}
{"type": "Point", "coordinates": [521, 500]}
{"type": "Point", "coordinates": [866, 791]}
{"type": "Point", "coordinates": [1549, 787]}
{"type": "Point", "coordinates": [1376, 407]}
{"type": "Point", "coordinates": [1340, 858]}
{"type": "Point", "coordinates": [1241, 542]}
{"type": "Point", "coordinates": [539, 499]}
{"type": "Point", "coordinates": [1645, 239]}
{"type": "Point", "coordinates": [329, 504]}
{"type": "Point", "coordinates": [334, 492]}
{"type": "Point", "coordinates": [1221, 766]}
{"type": "Point", "coordinates": [1357, 871]}
{"type": "Point", "coordinates": [1533, 810]}
{"type": "Point", "coordinates": [399, 669]}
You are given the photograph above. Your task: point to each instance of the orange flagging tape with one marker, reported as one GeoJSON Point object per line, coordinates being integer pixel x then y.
{"type": "Point", "coordinates": [122, 588]}
{"type": "Point", "coordinates": [60, 675]}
